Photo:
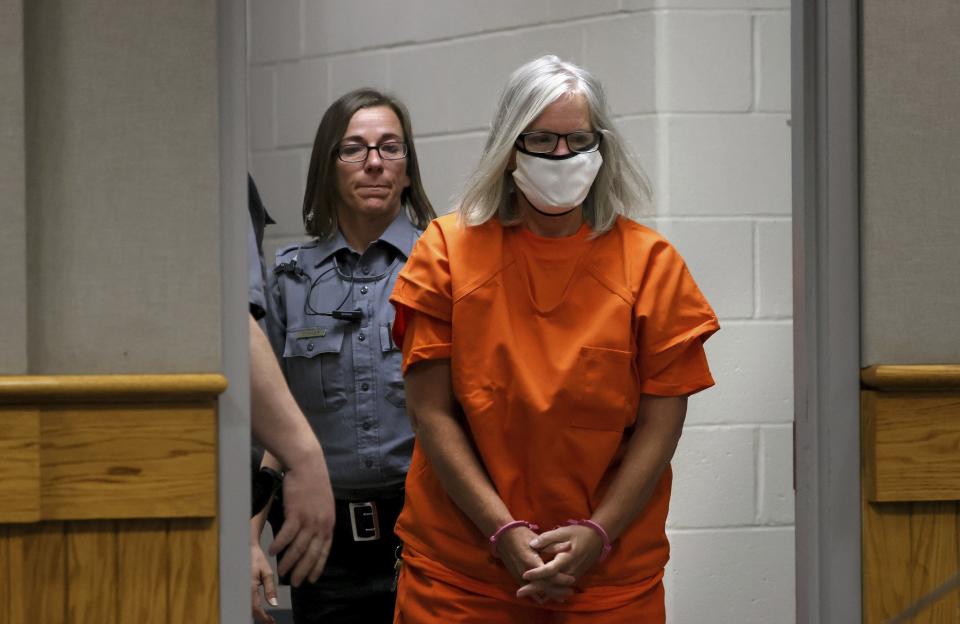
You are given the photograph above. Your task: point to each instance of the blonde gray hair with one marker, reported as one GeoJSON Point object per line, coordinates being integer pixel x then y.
{"type": "Point", "coordinates": [621, 188]}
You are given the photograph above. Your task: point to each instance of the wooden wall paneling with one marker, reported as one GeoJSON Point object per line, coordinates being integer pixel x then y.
{"type": "Point", "coordinates": [915, 453]}
{"type": "Point", "coordinates": [933, 534]}
{"type": "Point", "coordinates": [143, 571]}
{"type": "Point", "coordinates": [886, 560]}
{"type": "Point", "coordinates": [4, 574]}
{"type": "Point", "coordinates": [868, 444]}
{"type": "Point", "coordinates": [129, 461]}
{"type": "Point", "coordinates": [45, 572]}
{"type": "Point", "coordinates": [95, 472]}
{"type": "Point", "coordinates": [194, 580]}
{"type": "Point", "coordinates": [16, 568]}
{"type": "Point", "coordinates": [20, 468]}
{"type": "Point", "coordinates": [93, 589]}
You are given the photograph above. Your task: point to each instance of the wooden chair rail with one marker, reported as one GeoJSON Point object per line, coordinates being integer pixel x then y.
{"type": "Point", "coordinates": [33, 389]}
{"type": "Point", "coordinates": [918, 377]}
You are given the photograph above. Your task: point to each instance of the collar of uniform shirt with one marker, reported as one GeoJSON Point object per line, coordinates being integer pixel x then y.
{"type": "Point", "coordinates": [400, 234]}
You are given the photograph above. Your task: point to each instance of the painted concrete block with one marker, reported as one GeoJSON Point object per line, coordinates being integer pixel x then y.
{"type": "Point", "coordinates": [773, 51]}
{"type": "Point", "coordinates": [359, 70]}
{"type": "Point", "coordinates": [302, 98]}
{"type": "Point", "coordinates": [633, 5]}
{"type": "Point", "coordinates": [262, 112]}
{"type": "Point", "coordinates": [445, 163]}
{"type": "Point", "coordinates": [704, 62]}
{"type": "Point", "coordinates": [274, 30]}
{"type": "Point", "coordinates": [621, 53]}
{"type": "Point", "coordinates": [453, 87]}
{"type": "Point", "coordinates": [642, 135]}
{"type": "Point", "coordinates": [639, 5]}
{"type": "Point", "coordinates": [332, 26]}
{"type": "Point", "coordinates": [752, 363]}
{"type": "Point", "coordinates": [776, 502]}
{"type": "Point", "coordinates": [774, 269]}
{"type": "Point", "coordinates": [733, 576]}
{"type": "Point", "coordinates": [453, 18]}
{"type": "Point", "coordinates": [728, 164]}
{"type": "Point", "coordinates": [714, 478]}
{"type": "Point", "coordinates": [719, 255]}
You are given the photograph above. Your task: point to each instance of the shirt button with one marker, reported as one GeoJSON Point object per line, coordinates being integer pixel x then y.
{"type": "Point", "coordinates": [363, 290]}
{"type": "Point", "coordinates": [365, 270]}
{"type": "Point", "coordinates": [364, 386]}
{"type": "Point", "coordinates": [361, 337]}
{"type": "Point", "coordinates": [368, 463]}
{"type": "Point", "coordinates": [366, 426]}
{"type": "Point", "coordinates": [310, 346]}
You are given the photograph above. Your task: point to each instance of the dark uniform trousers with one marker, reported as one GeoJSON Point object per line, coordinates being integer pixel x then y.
{"type": "Point", "coordinates": [358, 582]}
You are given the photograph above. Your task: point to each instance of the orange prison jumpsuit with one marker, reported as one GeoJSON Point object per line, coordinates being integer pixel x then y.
{"type": "Point", "coordinates": [551, 343]}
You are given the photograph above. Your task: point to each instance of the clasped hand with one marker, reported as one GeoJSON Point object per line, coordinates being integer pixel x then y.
{"type": "Point", "coordinates": [546, 566]}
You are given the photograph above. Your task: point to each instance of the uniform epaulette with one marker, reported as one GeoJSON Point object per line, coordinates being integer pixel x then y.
{"type": "Point", "coordinates": [294, 247]}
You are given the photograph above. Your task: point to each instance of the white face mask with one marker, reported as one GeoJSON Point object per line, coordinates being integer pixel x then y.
{"type": "Point", "coordinates": [556, 186]}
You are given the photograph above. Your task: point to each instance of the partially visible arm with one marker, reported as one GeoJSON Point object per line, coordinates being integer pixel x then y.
{"type": "Point", "coordinates": [649, 451]}
{"type": "Point", "coordinates": [275, 417]}
{"type": "Point", "coordinates": [430, 404]}
{"type": "Point", "coordinates": [278, 423]}
{"type": "Point", "coordinates": [443, 439]}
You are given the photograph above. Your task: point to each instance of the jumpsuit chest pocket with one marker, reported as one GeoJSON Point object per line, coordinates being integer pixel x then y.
{"type": "Point", "coordinates": [604, 391]}
{"type": "Point", "coordinates": [314, 367]}
{"type": "Point", "coordinates": [392, 367]}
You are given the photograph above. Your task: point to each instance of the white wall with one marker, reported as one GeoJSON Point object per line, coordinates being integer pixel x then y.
{"type": "Point", "coordinates": [701, 88]}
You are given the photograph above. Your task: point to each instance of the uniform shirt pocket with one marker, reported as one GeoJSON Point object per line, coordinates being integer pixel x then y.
{"type": "Point", "coordinates": [392, 374]}
{"type": "Point", "coordinates": [603, 389]}
{"type": "Point", "coordinates": [314, 367]}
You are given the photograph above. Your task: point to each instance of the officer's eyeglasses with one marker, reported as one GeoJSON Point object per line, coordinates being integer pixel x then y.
{"type": "Point", "coordinates": [356, 153]}
{"type": "Point", "coordinates": [546, 142]}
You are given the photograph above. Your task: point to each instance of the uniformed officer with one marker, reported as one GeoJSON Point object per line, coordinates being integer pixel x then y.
{"type": "Point", "coordinates": [330, 323]}
{"type": "Point", "coordinates": [279, 425]}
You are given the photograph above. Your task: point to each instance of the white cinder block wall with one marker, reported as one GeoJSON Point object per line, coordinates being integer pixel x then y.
{"type": "Point", "coordinates": [701, 89]}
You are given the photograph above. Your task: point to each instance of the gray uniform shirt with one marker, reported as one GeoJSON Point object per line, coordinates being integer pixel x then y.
{"type": "Point", "coordinates": [346, 374]}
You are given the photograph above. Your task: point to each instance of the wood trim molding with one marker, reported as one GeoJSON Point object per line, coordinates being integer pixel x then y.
{"type": "Point", "coordinates": [909, 446]}
{"type": "Point", "coordinates": [108, 447]}
{"type": "Point", "coordinates": [32, 389]}
{"type": "Point", "coordinates": [893, 378]}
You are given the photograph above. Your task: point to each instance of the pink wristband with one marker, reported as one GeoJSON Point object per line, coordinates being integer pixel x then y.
{"type": "Point", "coordinates": [607, 546]}
{"type": "Point", "coordinates": [510, 525]}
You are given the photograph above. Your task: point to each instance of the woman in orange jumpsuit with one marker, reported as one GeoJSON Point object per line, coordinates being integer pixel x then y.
{"type": "Point", "coordinates": [549, 346]}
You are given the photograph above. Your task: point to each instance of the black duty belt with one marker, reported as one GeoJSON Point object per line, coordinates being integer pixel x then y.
{"type": "Point", "coordinates": [364, 528]}
{"type": "Point", "coordinates": [363, 537]}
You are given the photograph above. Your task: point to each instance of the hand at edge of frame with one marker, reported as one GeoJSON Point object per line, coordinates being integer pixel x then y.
{"type": "Point", "coordinates": [309, 516]}
{"type": "Point", "coordinates": [261, 575]}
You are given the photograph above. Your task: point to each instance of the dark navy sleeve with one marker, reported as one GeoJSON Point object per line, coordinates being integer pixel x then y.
{"type": "Point", "coordinates": [256, 273]}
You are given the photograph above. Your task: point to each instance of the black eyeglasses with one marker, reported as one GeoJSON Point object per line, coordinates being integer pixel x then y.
{"type": "Point", "coordinates": [356, 152]}
{"type": "Point", "coordinates": [546, 142]}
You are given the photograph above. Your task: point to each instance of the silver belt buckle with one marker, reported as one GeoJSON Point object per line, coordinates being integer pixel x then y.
{"type": "Point", "coordinates": [364, 522]}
